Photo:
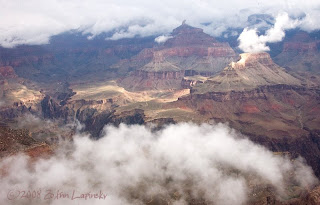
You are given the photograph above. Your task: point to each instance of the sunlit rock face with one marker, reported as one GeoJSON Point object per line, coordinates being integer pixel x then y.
{"type": "Point", "coordinates": [16, 95]}
{"type": "Point", "coordinates": [252, 59]}
{"type": "Point", "coordinates": [250, 71]}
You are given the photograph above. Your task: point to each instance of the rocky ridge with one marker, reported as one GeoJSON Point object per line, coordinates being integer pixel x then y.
{"type": "Point", "coordinates": [251, 71]}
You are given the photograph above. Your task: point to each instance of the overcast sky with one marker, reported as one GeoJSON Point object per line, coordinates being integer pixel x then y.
{"type": "Point", "coordinates": [35, 21]}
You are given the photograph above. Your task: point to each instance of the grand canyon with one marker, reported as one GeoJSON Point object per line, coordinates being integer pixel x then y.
{"type": "Point", "coordinates": [181, 118]}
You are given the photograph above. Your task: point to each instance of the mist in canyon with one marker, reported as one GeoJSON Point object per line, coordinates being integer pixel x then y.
{"type": "Point", "coordinates": [137, 165]}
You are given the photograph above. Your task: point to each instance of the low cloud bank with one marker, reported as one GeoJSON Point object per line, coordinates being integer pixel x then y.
{"type": "Point", "coordinates": [133, 165]}
{"type": "Point", "coordinates": [162, 39]}
{"type": "Point", "coordinates": [250, 41]}
{"type": "Point", "coordinates": [34, 22]}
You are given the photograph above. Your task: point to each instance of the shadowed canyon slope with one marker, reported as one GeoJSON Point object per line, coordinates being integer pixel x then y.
{"type": "Point", "coordinates": [300, 53]}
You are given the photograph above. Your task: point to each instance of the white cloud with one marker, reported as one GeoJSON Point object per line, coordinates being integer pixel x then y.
{"type": "Point", "coordinates": [133, 165]}
{"type": "Point", "coordinates": [311, 21]}
{"type": "Point", "coordinates": [162, 39]}
{"type": "Point", "coordinates": [35, 21]}
{"type": "Point", "coordinates": [250, 41]}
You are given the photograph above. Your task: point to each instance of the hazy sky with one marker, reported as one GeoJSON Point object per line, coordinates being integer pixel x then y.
{"type": "Point", "coordinates": [34, 21]}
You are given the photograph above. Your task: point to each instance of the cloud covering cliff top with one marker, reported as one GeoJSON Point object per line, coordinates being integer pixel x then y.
{"type": "Point", "coordinates": [35, 21]}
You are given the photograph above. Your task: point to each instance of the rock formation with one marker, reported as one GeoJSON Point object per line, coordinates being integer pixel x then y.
{"type": "Point", "coordinates": [189, 50]}
{"type": "Point", "coordinates": [251, 71]}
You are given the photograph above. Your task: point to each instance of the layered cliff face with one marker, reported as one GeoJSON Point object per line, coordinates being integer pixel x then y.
{"type": "Point", "coordinates": [300, 53]}
{"type": "Point", "coordinates": [70, 57]}
{"type": "Point", "coordinates": [189, 49]}
{"type": "Point", "coordinates": [251, 71]}
{"type": "Point", "coordinates": [186, 35]}
{"type": "Point", "coordinates": [24, 55]}
{"type": "Point", "coordinates": [281, 117]}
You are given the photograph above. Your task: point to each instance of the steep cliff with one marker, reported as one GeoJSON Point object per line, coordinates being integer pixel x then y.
{"type": "Point", "coordinates": [300, 53]}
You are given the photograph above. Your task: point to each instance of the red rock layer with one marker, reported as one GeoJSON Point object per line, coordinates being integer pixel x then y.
{"type": "Point", "coordinates": [300, 47]}
{"type": "Point", "coordinates": [186, 35]}
{"type": "Point", "coordinates": [23, 55]}
{"type": "Point", "coordinates": [161, 75]}
{"type": "Point", "coordinates": [7, 72]}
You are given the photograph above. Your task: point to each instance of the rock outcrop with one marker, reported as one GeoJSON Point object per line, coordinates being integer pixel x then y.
{"type": "Point", "coordinates": [190, 81]}
{"type": "Point", "coordinates": [186, 35]}
{"type": "Point", "coordinates": [189, 50]}
{"type": "Point", "coordinates": [251, 71]}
